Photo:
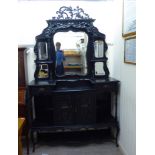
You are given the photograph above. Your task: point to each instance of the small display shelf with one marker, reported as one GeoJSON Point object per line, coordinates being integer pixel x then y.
{"type": "Point", "coordinates": [72, 67]}
{"type": "Point", "coordinates": [73, 55]}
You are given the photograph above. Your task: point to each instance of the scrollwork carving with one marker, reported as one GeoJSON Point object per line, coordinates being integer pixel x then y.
{"type": "Point", "coordinates": [53, 27]}
{"type": "Point", "coordinates": [70, 13]}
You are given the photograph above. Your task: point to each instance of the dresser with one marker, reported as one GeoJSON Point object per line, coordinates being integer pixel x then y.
{"type": "Point", "coordinates": [72, 102]}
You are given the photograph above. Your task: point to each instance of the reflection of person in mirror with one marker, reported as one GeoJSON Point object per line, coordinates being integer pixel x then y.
{"type": "Point", "coordinates": [59, 59]}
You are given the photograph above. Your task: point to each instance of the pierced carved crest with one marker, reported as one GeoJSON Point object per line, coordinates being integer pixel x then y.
{"type": "Point", "coordinates": [71, 13]}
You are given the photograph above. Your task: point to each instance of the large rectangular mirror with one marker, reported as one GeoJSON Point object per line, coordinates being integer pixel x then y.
{"type": "Point", "coordinates": [71, 48]}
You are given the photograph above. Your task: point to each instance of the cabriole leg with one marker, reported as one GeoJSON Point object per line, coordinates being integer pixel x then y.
{"type": "Point", "coordinates": [117, 133]}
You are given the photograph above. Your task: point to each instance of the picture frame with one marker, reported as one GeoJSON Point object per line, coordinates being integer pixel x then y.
{"type": "Point", "coordinates": [129, 18]}
{"type": "Point", "coordinates": [130, 50]}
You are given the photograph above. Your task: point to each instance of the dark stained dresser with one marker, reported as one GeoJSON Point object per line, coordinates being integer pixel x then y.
{"type": "Point", "coordinates": [71, 102]}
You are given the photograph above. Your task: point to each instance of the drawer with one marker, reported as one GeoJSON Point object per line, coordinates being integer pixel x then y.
{"type": "Point", "coordinates": [40, 90]}
{"type": "Point", "coordinates": [108, 87]}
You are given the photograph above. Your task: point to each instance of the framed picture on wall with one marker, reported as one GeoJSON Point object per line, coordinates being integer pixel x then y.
{"type": "Point", "coordinates": [129, 18]}
{"type": "Point", "coordinates": [130, 50]}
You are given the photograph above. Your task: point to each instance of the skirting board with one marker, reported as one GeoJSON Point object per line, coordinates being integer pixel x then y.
{"type": "Point", "coordinates": [122, 149]}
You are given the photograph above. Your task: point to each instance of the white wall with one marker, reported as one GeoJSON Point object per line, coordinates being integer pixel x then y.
{"type": "Point", "coordinates": [126, 73]}
{"type": "Point", "coordinates": [108, 15]}
{"type": "Point", "coordinates": [30, 64]}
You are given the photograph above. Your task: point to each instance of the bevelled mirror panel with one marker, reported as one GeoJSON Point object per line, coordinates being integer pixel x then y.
{"type": "Point", "coordinates": [43, 71]}
{"type": "Point", "coordinates": [99, 68]}
{"type": "Point", "coordinates": [99, 48]}
{"type": "Point", "coordinates": [42, 50]}
{"type": "Point", "coordinates": [71, 48]}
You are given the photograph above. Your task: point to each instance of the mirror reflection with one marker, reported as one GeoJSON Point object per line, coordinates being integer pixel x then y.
{"type": "Point", "coordinates": [98, 48]}
{"type": "Point", "coordinates": [99, 68]}
{"type": "Point", "coordinates": [43, 71]}
{"type": "Point", "coordinates": [71, 50]}
{"type": "Point", "coordinates": [42, 50]}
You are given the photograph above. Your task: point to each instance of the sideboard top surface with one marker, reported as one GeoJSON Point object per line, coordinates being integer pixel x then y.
{"type": "Point", "coordinates": [53, 83]}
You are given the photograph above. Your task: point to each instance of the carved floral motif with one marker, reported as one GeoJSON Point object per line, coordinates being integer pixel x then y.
{"type": "Point", "coordinates": [70, 13]}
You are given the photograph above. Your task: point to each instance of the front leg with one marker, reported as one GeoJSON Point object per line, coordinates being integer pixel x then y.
{"type": "Point", "coordinates": [117, 133]}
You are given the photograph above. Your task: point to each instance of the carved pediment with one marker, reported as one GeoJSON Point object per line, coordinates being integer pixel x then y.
{"type": "Point", "coordinates": [71, 13]}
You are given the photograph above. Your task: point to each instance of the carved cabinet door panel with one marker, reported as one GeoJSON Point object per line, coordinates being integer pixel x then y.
{"type": "Point", "coordinates": [63, 110]}
{"type": "Point", "coordinates": [43, 109]}
{"type": "Point", "coordinates": [85, 108]}
{"type": "Point", "coordinates": [103, 106]}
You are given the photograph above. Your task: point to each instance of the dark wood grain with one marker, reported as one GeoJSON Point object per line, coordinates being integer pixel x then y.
{"type": "Point", "coordinates": [21, 68]}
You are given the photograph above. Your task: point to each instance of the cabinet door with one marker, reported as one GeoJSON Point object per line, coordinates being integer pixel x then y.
{"type": "Point", "coordinates": [103, 106]}
{"type": "Point", "coordinates": [43, 109]}
{"type": "Point", "coordinates": [63, 110]}
{"type": "Point", "coordinates": [85, 108]}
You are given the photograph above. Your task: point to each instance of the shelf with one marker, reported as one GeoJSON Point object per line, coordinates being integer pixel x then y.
{"type": "Point", "coordinates": [73, 67]}
{"type": "Point", "coordinates": [42, 126]}
{"type": "Point", "coordinates": [73, 55]}
{"type": "Point", "coordinates": [43, 62]}
{"type": "Point", "coordinates": [99, 59]}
